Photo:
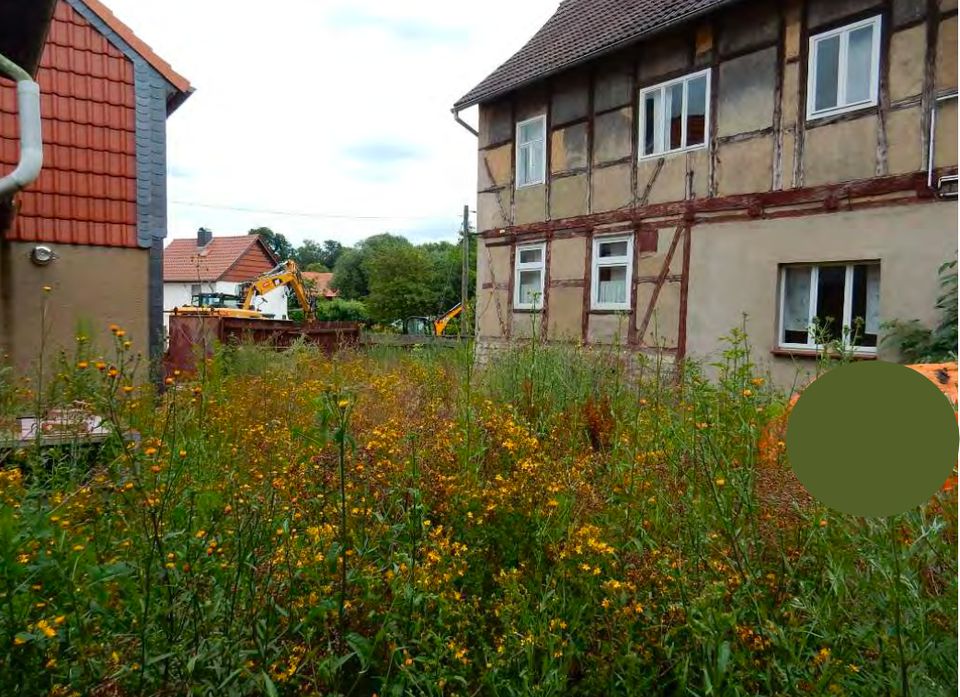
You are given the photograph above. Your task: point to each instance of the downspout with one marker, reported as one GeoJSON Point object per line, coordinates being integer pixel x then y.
{"type": "Point", "coordinates": [933, 134]}
{"type": "Point", "coordinates": [456, 117]}
{"type": "Point", "coordinates": [31, 139]}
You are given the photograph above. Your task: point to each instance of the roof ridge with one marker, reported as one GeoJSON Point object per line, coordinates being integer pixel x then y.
{"type": "Point", "coordinates": [139, 45]}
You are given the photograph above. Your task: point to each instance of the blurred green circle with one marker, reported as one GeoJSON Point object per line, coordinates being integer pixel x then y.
{"type": "Point", "coordinates": [872, 438]}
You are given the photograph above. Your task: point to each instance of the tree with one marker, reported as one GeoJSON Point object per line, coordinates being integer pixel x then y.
{"type": "Point", "coordinates": [330, 253]}
{"type": "Point", "coordinates": [400, 282]}
{"type": "Point", "coordinates": [309, 253]}
{"type": "Point", "coordinates": [276, 243]}
{"type": "Point", "coordinates": [351, 273]}
{"type": "Point", "coordinates": [316, 267]}
{"type": "Point", "coordinates": [349, 276]}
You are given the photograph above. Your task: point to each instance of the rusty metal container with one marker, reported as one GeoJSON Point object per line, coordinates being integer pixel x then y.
{"type": "Point", "coordinates": [192, 336]}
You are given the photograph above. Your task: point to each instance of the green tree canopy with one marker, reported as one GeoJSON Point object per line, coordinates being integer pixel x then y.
{"type": "Point", "coordinates": [397, 279]}
{"type": "Point", "coordinates": [308, 253]}
{"type": "Point", "coordinates": [330, 252]}
{"type": "Point", "coordinates": [400, 282]}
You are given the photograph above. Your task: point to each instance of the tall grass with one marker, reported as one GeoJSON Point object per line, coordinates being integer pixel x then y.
{"type": "Point", "coordinates": [399, 523]}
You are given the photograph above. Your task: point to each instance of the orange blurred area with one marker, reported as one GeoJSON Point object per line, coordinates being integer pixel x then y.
{"type": "Point", "coordinates": [943, 375]}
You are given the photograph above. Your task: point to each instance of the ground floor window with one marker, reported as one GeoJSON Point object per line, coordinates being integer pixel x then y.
{"type": "Point", "coordinates": [528, 284]}
{"type": "Point", "coordinates": [823, 303]}
{"type": "Point", "coordinates": [612, 272]}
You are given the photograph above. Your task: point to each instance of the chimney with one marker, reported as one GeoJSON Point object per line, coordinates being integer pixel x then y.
{"type": "Point", "coordinates": [204, 236]}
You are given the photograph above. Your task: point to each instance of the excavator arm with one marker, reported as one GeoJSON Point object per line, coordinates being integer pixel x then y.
{"type": "Point", "coordinates": [440, 324]}
{"type": "Point", "coordinates": [285, 274]}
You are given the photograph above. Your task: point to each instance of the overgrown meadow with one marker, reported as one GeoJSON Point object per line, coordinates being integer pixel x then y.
{"type": "Point", "coordinates": [398, 523]}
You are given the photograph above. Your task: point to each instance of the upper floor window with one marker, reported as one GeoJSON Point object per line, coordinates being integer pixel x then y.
{"type": "Point", "coordinates": [531, 264]}
{"type": "Point", "coordinates": [674, 115]}
{"type": "Point", "coordinates": [844, 69]}
{"type": "Point", "coordinates": [531, 145]}
{"type": "Point", "coordinates": [823, 303]}
{"type": "Point", "coordinates": [612, 272]}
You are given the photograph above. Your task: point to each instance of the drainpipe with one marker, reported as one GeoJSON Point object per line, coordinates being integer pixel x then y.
{"type": "Point", "coordinates": [31, 140]}
{"type": "Point", "coordinates": [456, 117]}
{"type": "Point", "coordinates": [933, 134]}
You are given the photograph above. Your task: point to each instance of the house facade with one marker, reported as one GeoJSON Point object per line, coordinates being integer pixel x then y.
{"type": "Point", "coordinates": [651, 172]}
{"type": "Point", "coordinates": [210, 264]}
{"type": "Point", "coordinates": [91, 227]}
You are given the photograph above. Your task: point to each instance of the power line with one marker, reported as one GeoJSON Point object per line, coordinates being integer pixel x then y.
{"type": "Point", "coordinates": [305, 214]}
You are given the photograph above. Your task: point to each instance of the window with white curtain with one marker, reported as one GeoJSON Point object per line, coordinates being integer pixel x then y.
{"type": "Point", "coordinates": [674, 115]}
{"type": "Point", "coordinates": [531, 151]}
{"type": "Point", "coordinates": [844, 70]}
{"type": "Point", "coordinates": [612, 272]}
{"type": "Point", "coordinates": [528, 283]}
{"type": "Point", "coordinates": [830, 302]}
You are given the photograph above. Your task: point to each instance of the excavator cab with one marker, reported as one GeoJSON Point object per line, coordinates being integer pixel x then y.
{"type": "Point", "coordinates": [418, 326]}
{"type": "Point", "coordinates": [224, 300]}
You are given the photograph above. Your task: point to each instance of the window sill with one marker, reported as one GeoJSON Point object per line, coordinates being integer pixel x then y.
{"type": "Point", "coordinates": [610, 311]}
{"type": "Point", "coordinates": [814, 353]}
{"type": "Point", "coordinates": [530, 185]}
{"type": "Point", "coordinates": [670, 153]}
{"type": "Point", "coordinates": [840, 111]}
{"type": "Point", "coordinates": [528, 310]}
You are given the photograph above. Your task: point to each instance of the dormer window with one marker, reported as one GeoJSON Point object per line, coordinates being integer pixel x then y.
{"type": "Point", "coordinates": [531, 145]}
{"type": "Point", "coordinates": [844, 69]}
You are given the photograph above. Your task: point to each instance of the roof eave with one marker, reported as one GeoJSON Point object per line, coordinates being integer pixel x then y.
{"type": "Point", "coordinates": [466, 101]}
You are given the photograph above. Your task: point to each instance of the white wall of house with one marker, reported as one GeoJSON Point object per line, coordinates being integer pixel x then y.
{"type": "Point", "coordinates": [179, 294]}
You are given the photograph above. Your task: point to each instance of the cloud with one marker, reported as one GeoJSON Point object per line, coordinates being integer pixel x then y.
{"type": "Point", "coordinates": [347, 114]}
{"type": "Point", "coordinates": [381, 152]}
{"type": "Point", "coordinates": [410, 29]}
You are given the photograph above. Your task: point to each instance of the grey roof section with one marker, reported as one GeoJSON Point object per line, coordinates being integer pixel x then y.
{"type": "Point", "coordinates": [153, 105]}
{"type": "Point", "coordinates": [152, 93]}
{"type": "Point", "coordinates": [581, 30]}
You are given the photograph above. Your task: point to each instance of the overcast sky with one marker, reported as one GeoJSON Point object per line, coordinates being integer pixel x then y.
{"type": "Point", "coordinates": [336, 107]}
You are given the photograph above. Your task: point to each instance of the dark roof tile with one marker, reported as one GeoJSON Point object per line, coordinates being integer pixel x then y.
{"type": "Point", "coordinates": [581, 30]}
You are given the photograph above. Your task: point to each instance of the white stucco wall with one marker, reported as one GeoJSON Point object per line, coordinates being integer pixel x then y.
{"type": "Point", "coordinates": [178, 294]}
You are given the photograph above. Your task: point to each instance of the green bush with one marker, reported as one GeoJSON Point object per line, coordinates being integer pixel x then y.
{"type": "Point", "coordinates": [920, 344]}
{"type": "Point", "coordinates": [340, 310]}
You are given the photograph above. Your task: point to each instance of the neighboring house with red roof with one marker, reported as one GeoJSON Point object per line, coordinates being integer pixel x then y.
{"type": "Point", "coordinates": [653, 172]}
{"type": "Point", "coordinates": [319, 284]}
{"type": "Point", "coordinates": [91, 227]}
{"type": "Point", "coordinates": [211, 264]}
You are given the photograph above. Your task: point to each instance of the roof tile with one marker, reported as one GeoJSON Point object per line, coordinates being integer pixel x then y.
{"type": "Point", "coordinates": [581, 30]}
{"type": "Point", "coordinates": [183, 262]}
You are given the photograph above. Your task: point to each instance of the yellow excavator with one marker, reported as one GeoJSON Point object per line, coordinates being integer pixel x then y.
{"type": "Point", "coordinates": [226, 305]}
{"type": "Point", "coordinates": [430, 326]}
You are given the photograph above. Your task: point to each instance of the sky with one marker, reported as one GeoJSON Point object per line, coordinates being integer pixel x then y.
{"type": "Point", "coordinates": [335, 109]}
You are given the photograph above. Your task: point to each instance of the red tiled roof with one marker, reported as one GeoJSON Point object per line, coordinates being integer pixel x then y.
{"type": "Point", "coordinates": [183, 262]}
{"type": "Point", "coordinates": [160, 65]}
{"type": "Point", "coordinates": [581, 30]}
{"type": "Point", "coordinates": [321, 283]}
{"type": "Point", "coordinates": [87, 189]}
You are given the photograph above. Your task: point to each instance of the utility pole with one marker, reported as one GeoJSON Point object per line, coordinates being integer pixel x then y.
{"type": "Point", "coordinates": [464, 270]}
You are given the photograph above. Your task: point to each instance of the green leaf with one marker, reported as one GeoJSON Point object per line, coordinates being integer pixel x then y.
{"type": "Point", "coordinates": [268, 685]}
{"type": "Point", "coordinates": [361, 646]}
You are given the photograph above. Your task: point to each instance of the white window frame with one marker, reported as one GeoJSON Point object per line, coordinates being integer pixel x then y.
{"type": "Point", "coordinates": [540, 266]}
{"type": "Point", "coordinates": [844, 34]}
{"type": "Point", "coordinates": [662, 87]}
{"type": "Point", "coordinates": [597, 263]}
{"type": "Point", "coordinates": [542, 140]}
{"type": "Point", "coordinates": [846, 322]}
